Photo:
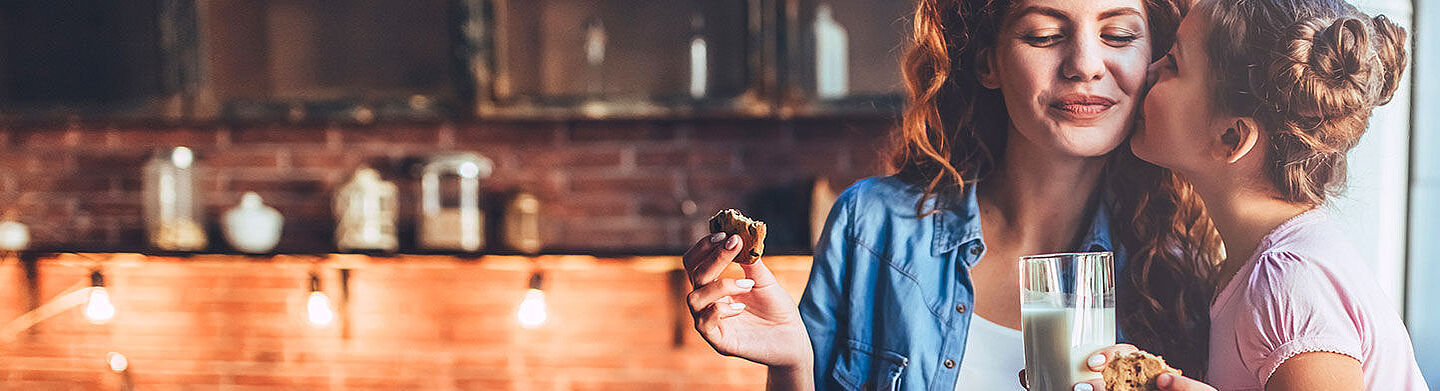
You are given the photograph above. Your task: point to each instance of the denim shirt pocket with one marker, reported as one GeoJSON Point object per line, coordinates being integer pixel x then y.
{"type": "Point", "coordinates": [862, 368]}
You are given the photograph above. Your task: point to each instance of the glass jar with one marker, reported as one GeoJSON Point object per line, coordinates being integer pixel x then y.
{"type": "Point", "coordinates": [365, 212]}
{"type": "Point", "coordinates": [174, 210]}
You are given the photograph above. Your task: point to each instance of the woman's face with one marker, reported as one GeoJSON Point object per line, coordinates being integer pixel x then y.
{"type": "Point", "coordinates": [1179, 113]}
{"type": "Point", "coordinates": [1072, 72]}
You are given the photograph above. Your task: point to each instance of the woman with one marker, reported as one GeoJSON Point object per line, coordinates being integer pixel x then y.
{"type": "Point", "coordinates": [1008, 148]}
{"type": "Point", "coordinates": [1257, 105]}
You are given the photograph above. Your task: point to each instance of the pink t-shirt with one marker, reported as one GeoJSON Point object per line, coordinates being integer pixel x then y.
{"type": "Point", "coordinates": [1307, 290]}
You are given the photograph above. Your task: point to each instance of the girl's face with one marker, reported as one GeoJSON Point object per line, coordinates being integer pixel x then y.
{"type": "Point", "coordinates": [1071, 72]}
{"type": "Point", "coordinates": [1180, 115]}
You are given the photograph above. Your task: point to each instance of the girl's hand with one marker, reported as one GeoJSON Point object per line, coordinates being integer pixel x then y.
{"type": "Point", "coordinates": [1172, 382]}
{"type": "Point", "coordinates": [1166, 381]}
{"type": "Point", "coordinates": [1097, 362]}
{"type": "Point", "coordinates": [753, 318]}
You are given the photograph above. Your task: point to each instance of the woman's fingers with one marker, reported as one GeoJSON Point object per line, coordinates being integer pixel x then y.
{"type": "Point", "coordinates": [758, 273]}
{"type": "Point", "coordinates": [707, 320]}
{"type": "Point", "coordinates": [1023, 383]}
{"type": "Point", "coordinates": [700, 250]}
{"type": "Point", "coordinates": [710, 293]}
{"type": "Point", "coordinates": [709, 266]}
{"type": "Point", "coordinates": [1102, 357]}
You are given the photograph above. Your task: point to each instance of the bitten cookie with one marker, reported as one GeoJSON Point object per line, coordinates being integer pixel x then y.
{"type": "Point", "coordinates": [1135, 372]}
{"type": "Point", "coordinates": [752, 233]}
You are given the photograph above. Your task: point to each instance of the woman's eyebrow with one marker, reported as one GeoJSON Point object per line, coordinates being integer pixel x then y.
{"type": "Point", "coordinates": [1047, 11]}
{"type": "Point", "coordinates": [1122, 11]}
{"type": "Point", "coordinates": [1062, 15]}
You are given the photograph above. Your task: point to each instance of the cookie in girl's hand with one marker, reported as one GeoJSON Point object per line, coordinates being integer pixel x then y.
{"type": "Point", "coordinates": [1135, 372]}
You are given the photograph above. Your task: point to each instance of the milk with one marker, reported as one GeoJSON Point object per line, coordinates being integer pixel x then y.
{"type": "Point", "coordinates": [1059, 340]}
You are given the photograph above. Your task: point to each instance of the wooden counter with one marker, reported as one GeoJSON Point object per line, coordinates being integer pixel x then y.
{"type": "Point", "coordinates": [410, 322]}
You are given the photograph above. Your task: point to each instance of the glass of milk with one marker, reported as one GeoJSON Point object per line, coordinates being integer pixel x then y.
{"type": "Point", "coordinates": [1067, 312]}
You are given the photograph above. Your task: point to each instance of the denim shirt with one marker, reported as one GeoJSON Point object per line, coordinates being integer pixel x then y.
{"type": "Point", "coordinates": [888, 303]}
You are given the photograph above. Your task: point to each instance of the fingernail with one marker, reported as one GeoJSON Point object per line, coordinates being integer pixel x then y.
{"type": "Point", "coordinates": [733, 243]}
{"type": "Point", "coordinates": [1084, 387]}
{"type": "Point", "coordinates": [1096, 360]}
{"type": "Point", "coordinates": [737, 306]}
{"type": "Point", "coordinates": [745, 283]}
{"type": "Point", "coordinates": [717, 237]}
{"type": "Point", "coordinates": [1164, 380]}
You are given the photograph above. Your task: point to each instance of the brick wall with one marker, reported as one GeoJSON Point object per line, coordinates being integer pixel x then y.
{"type": "Point", "coordinates": [606, 186]}
{"type": "Point", "coordinates": [414, 322]}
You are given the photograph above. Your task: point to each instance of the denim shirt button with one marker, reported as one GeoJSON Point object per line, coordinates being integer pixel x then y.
{"type": "Point", "coordinates": [949, 364]}
{"type": "Point", "coordinates": [975, 250]}
{"type": "Point", "coordinates": [960, 308]}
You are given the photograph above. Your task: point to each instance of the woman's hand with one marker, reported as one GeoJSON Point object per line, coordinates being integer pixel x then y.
{"type": "Point", "coordinates": [753, 318]}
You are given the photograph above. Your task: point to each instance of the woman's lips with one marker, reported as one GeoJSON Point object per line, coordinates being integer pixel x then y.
{"type": "Point", "coordinates": [1082, 106]}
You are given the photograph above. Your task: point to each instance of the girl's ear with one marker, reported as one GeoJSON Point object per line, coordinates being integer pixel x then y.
{"type": "Point", "coordinates": [1238, 140]}
{"type": "Point", "coordinates": [985, 69]}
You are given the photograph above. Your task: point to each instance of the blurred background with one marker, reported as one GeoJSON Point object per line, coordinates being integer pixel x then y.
{"type": "Point", "coordinates": [475, 194]}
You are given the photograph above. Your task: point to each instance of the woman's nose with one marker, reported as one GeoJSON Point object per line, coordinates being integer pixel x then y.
{"type": "Point", "coordinates": [1084, 62]}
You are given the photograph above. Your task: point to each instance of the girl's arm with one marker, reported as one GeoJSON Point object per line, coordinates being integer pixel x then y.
{"type": "Point", "coordinates": [1306, 371]}
{"type": "Point", "coordinates": [1317, 371]}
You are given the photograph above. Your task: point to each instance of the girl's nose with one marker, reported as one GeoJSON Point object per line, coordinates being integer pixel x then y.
{"type": "Point", "coordinates": [1152, 73]}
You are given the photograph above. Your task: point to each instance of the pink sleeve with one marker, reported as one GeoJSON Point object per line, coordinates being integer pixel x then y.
{"type": "Point", "coordinates": [1297, 308]}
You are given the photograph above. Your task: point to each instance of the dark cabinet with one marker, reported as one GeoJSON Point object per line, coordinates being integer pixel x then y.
{"type": "Point", "coordinates": [363, 61]}
{"type": "Point", "coordinates": [94, 58]}
{"type": "Point", "coordinates": [624, 58]}
{"type": "Point", "coordinates": [308, 60]}
{"type": "Point", "coordinates": [842, 57]}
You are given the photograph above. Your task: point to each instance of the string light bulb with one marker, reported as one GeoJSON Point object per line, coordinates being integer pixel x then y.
{"type": "Point", "coordinates": [98, 308]}
{"type": "Point", "coordinates": [118, 362]}
{"type": "Point", "coordinates": [317, 305]}
{"type": "Point", "coordinates": [532, 313]}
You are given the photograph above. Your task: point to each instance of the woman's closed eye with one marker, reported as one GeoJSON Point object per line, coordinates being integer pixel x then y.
{"type": "Point", "coordinates": [1119, 40]}
{"type": "Point", "coordinates": [1042, 40]}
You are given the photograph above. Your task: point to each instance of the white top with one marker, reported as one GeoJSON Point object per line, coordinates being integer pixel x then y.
{"type": "Point", "coordinates": [994, 356]}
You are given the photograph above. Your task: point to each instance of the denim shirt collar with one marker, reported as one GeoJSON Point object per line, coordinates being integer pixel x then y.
{"type": "Point", "coordinates": [958, 222]}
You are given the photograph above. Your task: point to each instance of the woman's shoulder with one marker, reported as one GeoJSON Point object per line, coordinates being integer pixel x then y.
{"type": "Point", "coordinates": [877, 198]}
{"type": "Point", "coordinates": [888, 188]}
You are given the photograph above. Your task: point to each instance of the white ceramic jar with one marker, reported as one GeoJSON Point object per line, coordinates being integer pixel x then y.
{"type": "Point", "coordinates": [252, 227]}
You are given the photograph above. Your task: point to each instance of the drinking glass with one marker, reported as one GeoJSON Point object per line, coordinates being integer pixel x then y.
{"type": "Point", "coordinates": [1067, 311]}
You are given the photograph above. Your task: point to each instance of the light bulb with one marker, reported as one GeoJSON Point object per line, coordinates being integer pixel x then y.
{"type": "Point", "coordinates": [532, 311]}
{"type": "Point", "coordinates": [318, 307]}
{"type": "Point", "coordinates": [182, 157]}
{"type": "Point", "coordinates": [98, 308]}
{"type": "Point", "coordinates": [469, 170]}
{"type": "Point", "coordinates": [118, 363]}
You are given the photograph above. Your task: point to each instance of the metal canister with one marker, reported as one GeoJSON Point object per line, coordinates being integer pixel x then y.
{"type": "Point", "coordinates": [457, 226]}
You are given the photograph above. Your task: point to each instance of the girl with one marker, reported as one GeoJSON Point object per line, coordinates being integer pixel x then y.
{"type": "Point", "coordinates": [1015, 107]}
{"type": "Point", "coordinates": [1256, 106]}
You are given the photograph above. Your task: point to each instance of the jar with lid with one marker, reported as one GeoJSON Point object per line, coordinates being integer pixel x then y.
{"type": "Point", "coordinates": [450, 216]}
{"type": "Point", "coordinates": [365, 211]}
{"type": "Point", "coordinates": [174, 211]}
